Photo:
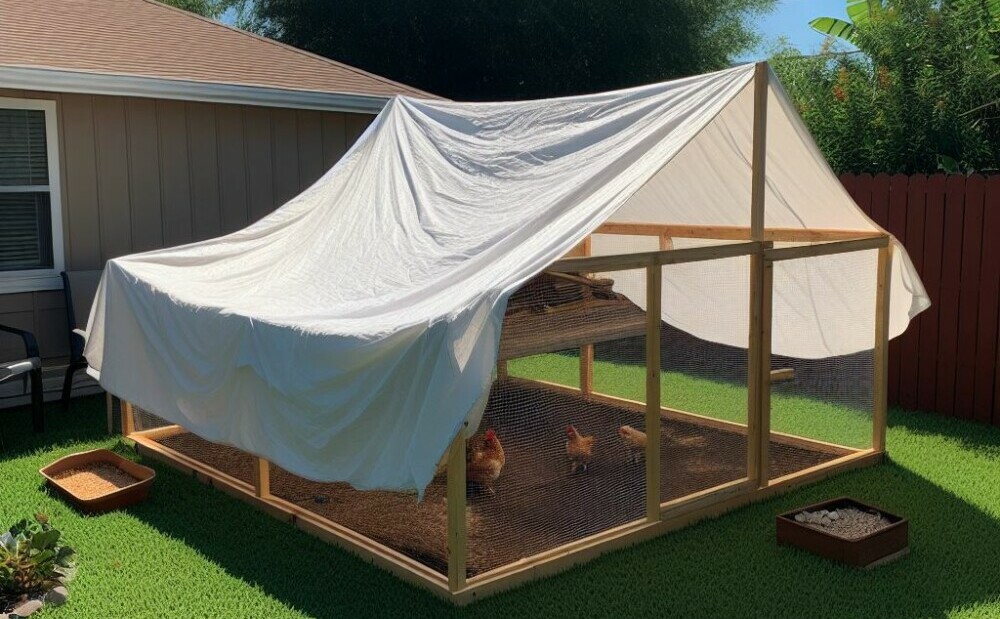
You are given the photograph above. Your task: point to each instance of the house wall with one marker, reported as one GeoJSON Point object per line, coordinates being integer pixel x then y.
{"type": "Point", "coordinates": [139, 174]}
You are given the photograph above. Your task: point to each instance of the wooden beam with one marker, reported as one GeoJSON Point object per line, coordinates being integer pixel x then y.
{"type": "Point", "coordinates": [623, 262]}
{"type": "Point", "coordinates": [587, 350]}
{"type": "Point", "coordinates": [758, 176]}
{"type": "Point", "coordinates": [827, 249]}
{"type": "Point", "coordinates": [128, 422]}
{"type": "Point", "coordinates": [456, 513]}
{"type": "Point", "coordinates": [759, 369]}
{"type": "Point", "coordinates": [262, 478]}
{"type": "Point", "coordinates": [110, 401]}
{"type": "Point", "coordinates": [666, 242]}
{"type": "Point", "coordinates": [881, 361]}
{"type": "Point", "coordinates": [654, 281]}
{"type": "Point", "coordinates": [779, 376]}
{"type": "Point", "coordinates": [734, 233]}
{"type": "Point", "coordinates": [162, 432]}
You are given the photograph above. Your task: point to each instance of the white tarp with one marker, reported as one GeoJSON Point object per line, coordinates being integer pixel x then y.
{"type": "Point", "coordinates": [349, 334]}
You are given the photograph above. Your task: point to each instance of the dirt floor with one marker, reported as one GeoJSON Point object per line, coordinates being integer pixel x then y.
{"type": "Point", "coordinates": [538, 504]}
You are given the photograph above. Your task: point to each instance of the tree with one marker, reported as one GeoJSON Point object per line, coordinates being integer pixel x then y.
{"type": "Point", "coordinates": [502, 49]}
{"type": "Point", "coordinates": [921, 93]}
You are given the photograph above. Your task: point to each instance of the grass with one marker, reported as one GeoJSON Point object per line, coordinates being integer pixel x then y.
{"type": "Point", "coordinates": [791, 414]}
{"type": "Point", "coordinates": [191, 551]}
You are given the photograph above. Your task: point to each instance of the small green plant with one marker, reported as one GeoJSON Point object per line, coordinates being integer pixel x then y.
{"type": "Point", "coordinates": [32, 559]}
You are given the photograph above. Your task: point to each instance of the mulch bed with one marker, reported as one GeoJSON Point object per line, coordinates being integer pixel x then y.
{"type": "Point", "coordinates": [94, 480]}
{"type": "Point", "coordinates": [539, 504]}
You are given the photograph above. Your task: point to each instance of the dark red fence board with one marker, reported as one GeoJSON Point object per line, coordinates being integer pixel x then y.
{"type": "Point", "coordinates": [908, 343]}
{"type": "Point", "coordinates": [931, 276]}
{"type": "Point", "coordinates": [968, 312]}
{"type": "Point", "coordinates": [948, 360]}
{"type": "Point", "coordinates": [985, 366]}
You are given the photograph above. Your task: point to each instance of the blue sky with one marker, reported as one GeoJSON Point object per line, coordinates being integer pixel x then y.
{"type": "Point", "coordinates": [790, 19]}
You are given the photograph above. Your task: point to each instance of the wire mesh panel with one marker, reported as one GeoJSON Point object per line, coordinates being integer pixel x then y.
{"type": "Point", "coordinates": [144, 420]}
{"type": "Point", "coordinates": [563, 471]}
{"type": "Point", "coordinates": [821, 405]}
{"type": "Point", "coordinates": [417, 529]}
{"type": "Point", "coordinates": [704, 383]}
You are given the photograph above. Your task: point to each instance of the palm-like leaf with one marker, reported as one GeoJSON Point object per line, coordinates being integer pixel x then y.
{"type": "Point", "coordinates": [861, 11]}
{"type": "Point", "coordinates": [834, 27]}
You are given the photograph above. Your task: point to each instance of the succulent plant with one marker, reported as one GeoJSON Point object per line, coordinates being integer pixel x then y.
{"type": "Point", "coordinates": [32, 559]}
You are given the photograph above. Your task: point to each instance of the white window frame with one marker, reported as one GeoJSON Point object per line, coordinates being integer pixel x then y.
{"type": "Point", "coordinates": [30, 280]}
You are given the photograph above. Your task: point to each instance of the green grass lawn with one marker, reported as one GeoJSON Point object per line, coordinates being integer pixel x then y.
{"type": "Point", "coordinates": [193, 552]}
{"type": "Point", "coordinates": [791, 414]}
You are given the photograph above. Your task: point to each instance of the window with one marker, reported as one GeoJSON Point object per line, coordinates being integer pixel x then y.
{"type": "Point", "coordinates": [30, 215]}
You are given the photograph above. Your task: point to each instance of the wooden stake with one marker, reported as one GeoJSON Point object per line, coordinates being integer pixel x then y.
{"type": "Point", "coordinates": [456, 513]}
{"type": "Point", "coordinates": [880, 390]}
{"type": "Point", "coordinates": [128, 422]}
{"type": "Point", "coordinates": [262, 478]}
{"type": "Point", "coordinates": [110, 400]}
{"type": "Point", "coordinates": [654, 280]}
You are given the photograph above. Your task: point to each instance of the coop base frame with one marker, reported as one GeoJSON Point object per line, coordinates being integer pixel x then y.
{"type": "Point", "coordinates": [674, 514]}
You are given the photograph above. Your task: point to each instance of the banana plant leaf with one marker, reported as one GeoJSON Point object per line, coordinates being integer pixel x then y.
{"type": "Point", "coordinates": [834, 27]}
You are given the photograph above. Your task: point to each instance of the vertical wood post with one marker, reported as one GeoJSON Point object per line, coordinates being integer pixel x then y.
{"type": "Point", "coordinates": [654, 280]}
{"type": "Point", "coordinates": [128, 423]}
{"type": "Point", "coordinates": [759, 337]}
{"type": "Point", "coordinates": [456, 513]}
{"type": "Point", "coordinates": [587, 350]}
{"type": "Point", "coordinates": [880, 384]}
{"type": "Point", "coordinates": [262, 478]}
{"type": "Point", "coordinates": [110, 401]}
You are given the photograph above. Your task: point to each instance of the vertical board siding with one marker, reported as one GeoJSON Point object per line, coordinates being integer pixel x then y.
{"type": "Point", "coordinates": [948, 360]}
{"type": "Point", "coordinates": [140, 174]}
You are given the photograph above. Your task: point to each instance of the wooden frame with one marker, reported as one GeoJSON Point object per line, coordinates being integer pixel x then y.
{"type": "Point", "coordinates": [755, 241]}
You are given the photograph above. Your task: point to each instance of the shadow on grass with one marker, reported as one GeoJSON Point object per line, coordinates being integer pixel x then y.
{"type": "Point", "coordinates": [85, 421]}
{"type": "Point", "coordinates": [728, 567]}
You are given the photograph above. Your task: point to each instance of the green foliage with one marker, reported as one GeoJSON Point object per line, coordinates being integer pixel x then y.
{"type": "Point", "coordinates": [501, 49]}
{"type": "Point", "coordinates": [205, 8]}
{"type": "Point", "coordinates": [32, 559]}
{"type": "Point", "coordinates": [921, 94]}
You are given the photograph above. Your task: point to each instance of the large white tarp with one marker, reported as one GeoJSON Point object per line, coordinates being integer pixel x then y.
{"type": "Point", "coordinates": [348, 335]}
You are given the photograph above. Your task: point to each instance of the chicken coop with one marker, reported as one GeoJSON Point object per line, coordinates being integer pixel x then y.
{"type": "Point", "coordinates": [665, 366]}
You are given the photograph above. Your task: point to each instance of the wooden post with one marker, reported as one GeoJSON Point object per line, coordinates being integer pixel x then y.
{"type": "Point", "coordinates": [759, 339]}
{"type": "Point", "coordinates": [128, 423]}
{"type": "Point", "coordinates": [654, 280]}
{"type": "Point", "coordinates": [456, 513]}
{"type": "Point", "coordinates": [262, 478]}
{"type": "Point", "coordinates": [110, 401]}
{"type": "Point", "coordinates": [502, 370]}
{"type": "Point", "coordinates": [757, 173]}
{"type": "Point", "coordinates": [880, 385]}
{"type": "Point", "coordinates": [587, 350]}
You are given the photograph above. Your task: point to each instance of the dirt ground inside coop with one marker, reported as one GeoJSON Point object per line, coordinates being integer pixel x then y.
{"type": "Point", "coordinates": [537, 504]}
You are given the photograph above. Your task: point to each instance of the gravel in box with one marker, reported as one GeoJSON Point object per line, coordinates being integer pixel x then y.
{"type": "Point", "coordinates": [845, 522]}
{"type": "Point", "coordinates": [538, 503]}
{"type": "Point", "coordinates": [94, 480]}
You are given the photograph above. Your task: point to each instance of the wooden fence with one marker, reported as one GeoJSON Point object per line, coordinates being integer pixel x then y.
{"type": "Point", "coordinates": [948, 360]}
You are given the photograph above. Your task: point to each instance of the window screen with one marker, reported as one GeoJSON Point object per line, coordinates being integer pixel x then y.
{"type": "Point", "coordinates": [25, 212]}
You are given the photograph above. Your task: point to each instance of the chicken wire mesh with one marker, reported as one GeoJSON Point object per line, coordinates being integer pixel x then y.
{"type": "Point", "coordinates": [828, 400]}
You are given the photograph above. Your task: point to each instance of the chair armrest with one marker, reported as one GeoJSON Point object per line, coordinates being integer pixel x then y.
{"type": "Point", "coordinates": [30, 344]}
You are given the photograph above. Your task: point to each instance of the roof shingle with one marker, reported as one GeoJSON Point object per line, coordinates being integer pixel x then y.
{"type": "Point", "coordinates": [148, 39]}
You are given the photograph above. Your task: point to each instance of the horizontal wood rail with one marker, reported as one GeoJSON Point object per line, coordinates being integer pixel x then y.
{"type": "Point", "coordinates": [621, 262]}
{"type": "Point", "coordinates": [733, 233]}
{"type": "Point", "coordinates": [826, 249]}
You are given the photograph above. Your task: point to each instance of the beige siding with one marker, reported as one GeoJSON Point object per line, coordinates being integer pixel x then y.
{"type": "Point", "coordinates": [139, 174]}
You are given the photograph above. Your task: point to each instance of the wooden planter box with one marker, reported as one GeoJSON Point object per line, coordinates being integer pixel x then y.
{"type": "Point", "coordinates": [869, 551]}
{"type": "Point", "coordinates": [115, 499]}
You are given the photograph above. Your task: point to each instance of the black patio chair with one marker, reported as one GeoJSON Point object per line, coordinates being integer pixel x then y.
{"type": "Point", "coordinates": [30, 370]}
{"type": "Point", "coordinates": [76, 342]}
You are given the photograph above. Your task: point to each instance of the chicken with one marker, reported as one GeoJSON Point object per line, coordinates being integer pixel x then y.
{"type": "Point", "coordinates": [579, 449]}
{"type": "Point", "coordinates": [484, 459]}
{"type": "Point", "coordinates": [635, 443]}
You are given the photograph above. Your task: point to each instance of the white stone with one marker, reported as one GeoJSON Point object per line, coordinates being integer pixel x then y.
{"type": "Point", "coordinates": [834, 516]}
{"type": "Point", "coordinates": [57, 596]}
{"type": "Point", "coordinates": [799, 517]}
{"type": "Point", "coordinates": [825, 521]}
{"type": "Point", "coordinates": [27, 608]}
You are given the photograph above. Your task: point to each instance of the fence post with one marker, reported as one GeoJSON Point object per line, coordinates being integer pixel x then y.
{"type": "Point", "coordinates": [456, 513]}
{"type": "Point", "coordinates": [880, 384]}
